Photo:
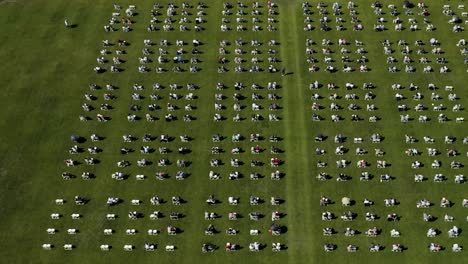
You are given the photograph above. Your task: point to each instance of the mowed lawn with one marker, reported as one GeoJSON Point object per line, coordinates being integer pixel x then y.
{"type": "Point", "coordinates": [46, 71]}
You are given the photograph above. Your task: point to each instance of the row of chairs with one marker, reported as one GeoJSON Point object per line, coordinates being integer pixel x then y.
{"type": "Point", "coordinates": [106, 247]}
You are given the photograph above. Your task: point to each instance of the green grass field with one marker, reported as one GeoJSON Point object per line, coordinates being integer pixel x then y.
{"type": "Point", "coordinates": [46, 71]}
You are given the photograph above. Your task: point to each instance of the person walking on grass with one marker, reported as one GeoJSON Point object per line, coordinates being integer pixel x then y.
{"type": "Point", "coordinates": [67, 24]}
{"type": "Point", "coordinates": [283, 71]}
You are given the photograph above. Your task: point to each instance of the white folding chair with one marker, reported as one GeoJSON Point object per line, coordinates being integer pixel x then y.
{"type": "Point", "coordinates": [55, 216]}
{"type": "Point", "coordinates": [105, 247]}
{"type": "Point", "coordinates": [170, 248]}
{"type": "Point", "coordinates": [47, 246]}
{"type": "Point", "coordinates": [254, 232]}
{"type": "Point", "coordinates": [68, 246]}
{"type": "Point", "coordinates": [128, 247]}
{"type": "Point", "coordinates": [110, 216]}
{"type": "Point", "coordinates": [75, 216]}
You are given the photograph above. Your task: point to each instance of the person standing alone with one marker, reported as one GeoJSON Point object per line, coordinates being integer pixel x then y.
{"type": "Point", "coordinates": [67, 24]}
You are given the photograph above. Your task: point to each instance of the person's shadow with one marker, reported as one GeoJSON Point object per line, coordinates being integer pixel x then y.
{"type": "Point", "coordinates": [73, 26]}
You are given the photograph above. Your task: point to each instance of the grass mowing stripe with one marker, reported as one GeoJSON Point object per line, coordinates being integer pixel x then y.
{"type": "Point", "coordinates": [297, 182]}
